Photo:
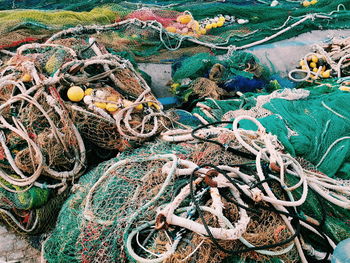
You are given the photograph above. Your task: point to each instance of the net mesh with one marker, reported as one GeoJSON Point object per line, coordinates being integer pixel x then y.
{"type": "Point", "coordinates": [92, 224]}
{"type": "Point", "coordinates": [244, 23]}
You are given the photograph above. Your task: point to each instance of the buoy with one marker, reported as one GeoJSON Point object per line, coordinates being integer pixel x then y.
{"type": "Point", "coordinates": [195, 26]}
{"type": "Point", "coordinates": [314, 58]}
{"type": "Point", "coordinates": [214, 25]}
{"type": "Point", "coordinates": [88, 99]}
{"type": "Point", "coordinates": [100, 105]}
{"type": "Point", "coordinates": [111, 107]}
{"type": "Point", "coordinates": [242, 21]}
{"type": "Point", "coordinates": [202, 31]}
{"type": "Point", "coordinates": [315, 69]}
{"type": "Point", "coordinates": [101, 94]}
{"type": "Point", "coordinates": [184, 19]}
{"type": "Point", "coordinates": [313, 65]}
{"type": "Point", "coordinates": [26, 77]}
{"type": "Point", "coordinates": [75, 93]}
{"type": "Point", "coordinates": [302, 62]}
{"type": "Point", "coordinates": [326, 74]}
{"type": "Point", "coordinates": [221, 18]}
{"type": "Point", "coordinates": [171, 29]}
{"type": "Point", "coordinates": [341, 252]}
{"type": "Point", "coordinates": [306, 3]}
{"type": "Point", "coordinates": [154, 105]}
{"type": "Point", "coordinates": [313, 2]}
{"type": "Point", "coordinates": [88, 91]}
{"type": "Point", "coordinates": [220, 23]}
{"type": "Point", "coordinates": [208, 26]}
{"type": "Point", "coordinates": [139, 107]}
{"type": "Point", "coordinates": [274, 3]}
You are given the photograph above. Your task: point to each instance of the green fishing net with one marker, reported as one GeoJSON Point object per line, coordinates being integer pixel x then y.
{"type": "Point", "coordinates": [92, 220]}
{"type": "Point", "coordinates": [151, 44]}
{"type": "Point", "coordinates": [316, 129]}
{"type": "Point", "coordinates": [117, 197]}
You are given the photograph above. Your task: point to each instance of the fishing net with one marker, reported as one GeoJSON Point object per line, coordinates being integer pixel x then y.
{"type": "Point", "coordinates": [105, 200]}
{"type": "Point", "coordinates": [204, 76]}
{"type": "Point", "coordinates": [43, 124]}
{"type": "Point", "coordinates": [315, 128]}
{"type": "Point", "coordinates": [31, 143]}
{"type": "Point", "coordinates": [150, 29]}
{"type": "Point", "coordinates": [41, 151]}
{"type": "Point", "coordinates": [104, 220]}
{"type": "Point", "coordinates": [110, 103]}
{"type": "Point", "coordinates": [331, 59]}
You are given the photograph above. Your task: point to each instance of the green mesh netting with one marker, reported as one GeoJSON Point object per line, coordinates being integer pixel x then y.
{"type": "Point", "coordinates": [109, 201]}
{"type": "Point", "coordinates": [316, 129]}
{"type": "Point", "coordinates": [96, 234]}
{"type": "Point", "coordinates": [264, 21]}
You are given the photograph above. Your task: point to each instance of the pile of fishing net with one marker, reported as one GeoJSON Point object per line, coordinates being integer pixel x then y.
{"type": "Point", "coordinates": [41, 150]}
{"type": "Point", "coordinates": [57, 98]}
{"type": "Point", "coordinates": [204, 76]}
{"type": "Point", "coordinates": [215, 194]}
{"type": "Point", "coordinates": [310, 122]}
{"type": "Point", "coordinates": [150, 29]}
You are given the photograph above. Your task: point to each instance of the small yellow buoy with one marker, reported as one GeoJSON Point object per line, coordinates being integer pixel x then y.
{"type": "Point", "coordinates": [26, 77]}
{"type": "Point", "coordinates": [208, 26]}
{"type": "Point", "coordinates": [88, 91]}
{"type": "Point", "coordinates": [202, 31]}
{"type": "Point", "coordinates": [171, 29]}
{"type": "Point", "coordinates": [184, 19]}
{"type": "Point", "coordinates": [220, 23]}
{"type": "Point", "coordinates": [315, 70]}
{"type": "Point", "coordinates": [303, 67]}
{"type": "Point", "coordinates": [313, 65]}
{"type": "Point", "coordinates": [154, 105]}
{"type": "Point", "coordinates": [306, 3]}
{"type": "Point", "coordinates": [214, 25]}
{"type": "Point", "coordinates": [100, 105]}
{"type": "Point", "coordinates": [75, 93]}
{"type": "Point", "coordinates": [139, 107]}
{"type": "Point", "coordinates": [313, 2]}
{"type": "Point", "coordinates": [326, 74]}
{"type": "Point", "coordinates": [221, 18]}
{"type": "Point", "coordinates": [302, 62]}
{"type": "Point", "coordinates": [314, 58]}
{"type": "Point", "coordinates": [111, 107]}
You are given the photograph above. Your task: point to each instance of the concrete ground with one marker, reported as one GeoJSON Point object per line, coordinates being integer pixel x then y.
{"type": "Point", "coordinates": [14, 248]}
